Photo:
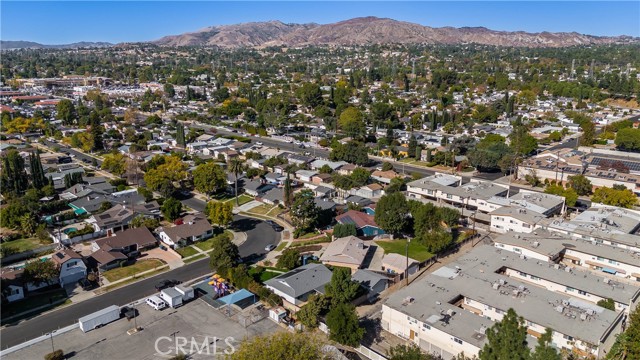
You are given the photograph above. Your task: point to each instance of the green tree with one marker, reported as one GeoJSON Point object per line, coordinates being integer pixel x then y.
{"type": "Point", "coordinates": [506, 340]}
{"type": "Point", "coordinates": [407, 352]}
{"type": "Point", "coordinates": [289, 259]}
{"type": "Point", "coordinates": [344, 326]}
{"type": "Point", "coordinates": [614, 197]}
{"type": "Point", "coordinates": [351, 122]}
{"type": "Point", "coordinates": [114, 163]}
{"type": "Point", "coordinates": [311, 311]}
{"type": "Point", "coordinates": [588, 133]}
{"type": "Point", "coordinates": [304, 212]}
{"type": "Point", "coordinates": [38, 179]}
{"type": "Point", "coordinates": [341, 289]}
{"type": "Point", "coordinates": [488, 153]}
{"type": "Point", "coordinates": [141, 220]}
{"type": "Point", "coordinates": [413, 145]}
{"type": "Point", "coordinates": [310, 94]}
{"type": "Point", "coordinates": [607, 304]}
{"type": "Point", "coordinates": [387, 166]}
{"type": "Point", "coordinates": [224, 256]}
{"type": "Point", "coordinates": [281, 345]}
{"type": "Point", "coordinates": [161, 177]}
{"type": "Point", "coordinates": [236, 166]}
{"type": "Point", "coordinates": [628, 139]}
{"type": "Point", "coordinates": [219, 213]}
{"type": "Point", "coordinates": [391, 212]}
{"type": "Point", "coordinates": [570, 195]}
{"type": "Point", "coordinates": [353, 152]}
{"type": "Point", "coordinates": [344, 230]}
{"type": "Point", "coordinates": [580, 184]}
{"type": "Point", "coordinates": [28, 224]}
{"type": "Point", "coordinates": [209, 178]}
{"type": "Point", "coordinates": [544, 350]}
{"type": "Point", "coordinates": [180, 138]}
{"type": "Point", "coordinates": [38, 272]}
{"type": "Point", "coordinates": [288, 191]}
{"type": "Point", "coordinates": [627, 345]}
{"type": "Point", "coordinates": [13, 177]}
{"type": "Point", "coordinates": [169, 90]}
{"type": "Point", "coordinates": [66, 111]}
{"type": "Point", "coordinates": [171, 209]}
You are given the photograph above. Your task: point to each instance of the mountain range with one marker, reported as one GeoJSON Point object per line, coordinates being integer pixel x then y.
{"type": "Point", "coordinates": [373, 30]}
{"type": "Point", "coordinates": [357, 31]}
{"type": "Point", "coordinates": [8, 45]}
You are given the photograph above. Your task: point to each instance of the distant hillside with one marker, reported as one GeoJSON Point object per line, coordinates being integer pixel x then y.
{"type": "Point", "coordinates": [8, 45]}
{"type": "Point", "coordinates": [373, 30]}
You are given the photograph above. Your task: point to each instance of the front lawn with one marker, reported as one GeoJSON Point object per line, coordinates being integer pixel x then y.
{"type": "Point", "coordinates": [261, 209]}
{"type": "Point", "coordinates": [242, 199]}
{"type": "Point", "coordinates": [126, 271]}
{"type": "Point", "coordinates": [417, 251]}
{"type": "Point", "coordinates": [195, 258]}
{"type": "Point", "coordinates": [208, 244]}
{"type": "Point", "coordinates": [281, 246]}
{"type": "Point", "coordinates": [262, 275]}
{"type": "Point", "coordinates": [186, 251]}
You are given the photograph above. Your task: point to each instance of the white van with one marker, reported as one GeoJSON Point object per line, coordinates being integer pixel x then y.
{"type": "Point", "coordinates": [156, 303]}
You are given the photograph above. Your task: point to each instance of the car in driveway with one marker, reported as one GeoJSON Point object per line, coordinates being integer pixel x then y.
{"type": "Point", "coordinates": [269, 247]}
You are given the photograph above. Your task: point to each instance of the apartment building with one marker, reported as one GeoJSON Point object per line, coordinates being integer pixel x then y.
{"type": "Point", "coordinates": [449, 311]}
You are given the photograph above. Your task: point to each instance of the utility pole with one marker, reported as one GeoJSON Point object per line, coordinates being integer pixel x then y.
{"type": "Point", "coordinates": [406, 270]}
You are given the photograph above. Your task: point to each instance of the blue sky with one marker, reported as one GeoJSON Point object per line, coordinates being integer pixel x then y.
{"type": "Point", "coordinates": [57, 22]}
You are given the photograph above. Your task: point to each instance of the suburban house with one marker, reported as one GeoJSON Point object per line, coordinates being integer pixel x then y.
{"type": "Point", "coordinates": [111, 250]}
{"type": "Point", "coordinates": [365, 224]}
{"type": "Point", "coordinates": [374, 282]}
{"type": "Point", "coordinates": [256, 188]}
{"type": "Point", "coordinates": [295, 286]}
{"type": "Point", "coordinates": [305, 175]}
{"type": "Point", "coordinates": [385, 177]}
{"type": "Point", "coordinates": [190, 229]}
{"type": "Point", "coordinates": [273, 197]}
{"type": "Point", "coordinates": [114, 219]}
{"type": "Point", "coordinates": [347, 252]}
{"type": "Point", "coordinates": [369, 191]}
{"type": "Point", "coordinates": [71, 265]}
{"type": "Point", "coordinates": [321, 179]}
{"type": "Point", "coordinates": [394, 263]}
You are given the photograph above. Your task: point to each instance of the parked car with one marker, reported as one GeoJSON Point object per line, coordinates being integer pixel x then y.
{"type": "Point", "coordinates": [156, 303]}
{"type": "Point", "coordinates": [86, 284]}
{"type": "Point", "coordinates": [163, 284]}
{"type": "Point", "coordinates": [270, 247]}
{"type": "Point", "coordinates": [259, 143]}
{"type": "Point", "coordinates": [128, 312]}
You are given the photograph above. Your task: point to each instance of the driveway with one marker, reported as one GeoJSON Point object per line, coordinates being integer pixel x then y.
{"type": "Point", "coordinates": [248, 206]}
{"type": "Point", "coordinates": [169, 256]}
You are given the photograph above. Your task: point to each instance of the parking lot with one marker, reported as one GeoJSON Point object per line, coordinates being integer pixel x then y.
{"type": "Point", "coordinates": [195, 327]}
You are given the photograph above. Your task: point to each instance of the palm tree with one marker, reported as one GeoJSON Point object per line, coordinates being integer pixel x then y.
{"type": "Point", "coordinates": [236, 166]}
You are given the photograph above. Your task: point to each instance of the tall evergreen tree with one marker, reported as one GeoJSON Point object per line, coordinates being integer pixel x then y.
{"type": "Point", "coordinates": [507, 340]}
{"type": "Point", "coordinates": [38, 180]}
{"type": "Point", "coordinates": [413, 144]}
{"type": "Point", "coordinates": [13, 179]}
{"type": "Point", "coordinates": [288, 194]}
{"type": "Point", "coordinates": [180, 139]}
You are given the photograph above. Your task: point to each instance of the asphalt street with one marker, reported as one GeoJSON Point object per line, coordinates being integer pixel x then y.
{"type": "Point", "coordinates": [259, 235]}
{"type": "Point", "coordinates": [77, 154]}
